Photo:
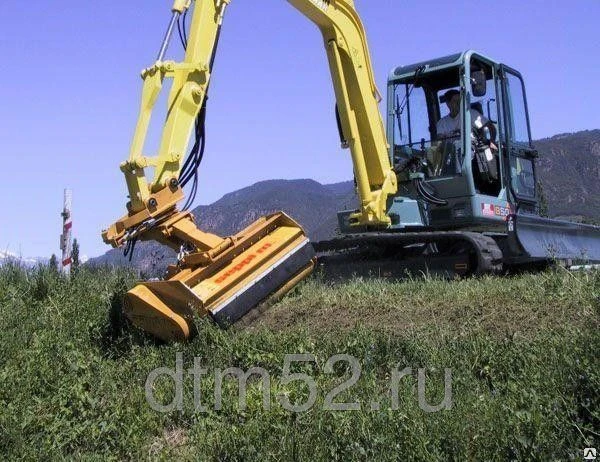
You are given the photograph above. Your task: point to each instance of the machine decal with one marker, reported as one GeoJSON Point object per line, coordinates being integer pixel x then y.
{"type": "Point", "coordinates": [488, 210]}
{"type": "Point", "coordinates": [491, 210]}
{"type": "Point", "coordinates": [236, 269]}
{"type": "Point", "coordinates": [241, 265]}
{"type": "Point", "coordinates": [503, 212]}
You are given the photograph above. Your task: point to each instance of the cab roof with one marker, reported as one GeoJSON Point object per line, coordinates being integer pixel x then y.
{"type": "Point", "coordinates": [402, 72]}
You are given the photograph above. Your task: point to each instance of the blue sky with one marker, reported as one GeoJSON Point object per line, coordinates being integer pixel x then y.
{"type": "Point", "coordinates": [70, 88]}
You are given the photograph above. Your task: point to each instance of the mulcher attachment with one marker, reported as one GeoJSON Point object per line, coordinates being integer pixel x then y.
{"type": "Point", "coordinates": [268, 258]}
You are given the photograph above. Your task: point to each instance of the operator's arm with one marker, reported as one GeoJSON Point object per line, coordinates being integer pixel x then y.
{"type": "Point", "coordinates": [493, 135]}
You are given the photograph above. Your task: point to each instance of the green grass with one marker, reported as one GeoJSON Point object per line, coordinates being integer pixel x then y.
{"type": "Point", "coordinates": [523, 352]}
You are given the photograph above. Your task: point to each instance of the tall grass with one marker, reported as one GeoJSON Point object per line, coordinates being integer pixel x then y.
{"type": "Point", "coordinates": [523, 353]}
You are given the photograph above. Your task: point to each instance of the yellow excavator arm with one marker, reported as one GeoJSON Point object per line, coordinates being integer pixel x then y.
{"type": "Point", "coordinates": [357, 102]}
{"type": "Point", "coordinates": [226, 276]}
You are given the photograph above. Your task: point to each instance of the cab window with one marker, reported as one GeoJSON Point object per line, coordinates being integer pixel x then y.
{"type": "Point", "coordinates": [522, 169]}
{"type": "Point", "coordinates": [413, 133]}
{"type": "Point", "coordinates": [519, 127]}
{"type": "Point", "coordinates": [412, 117]}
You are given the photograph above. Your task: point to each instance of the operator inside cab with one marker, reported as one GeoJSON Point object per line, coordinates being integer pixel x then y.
{"type": "Point", "coordinates": [485, 152]}
{"type": "Point", "coordinates": [449, 125]}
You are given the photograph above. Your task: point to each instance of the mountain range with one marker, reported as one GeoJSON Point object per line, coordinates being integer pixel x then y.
{"type": "Point", "coordinates": [312, 204]}
{"type": "Point", "coordinates": [568, 167]}
{"type": "Point", "coordinates": [7, 256]}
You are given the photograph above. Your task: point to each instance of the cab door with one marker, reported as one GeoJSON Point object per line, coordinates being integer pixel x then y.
{"type": "Point", "coordinates": [520, 158]}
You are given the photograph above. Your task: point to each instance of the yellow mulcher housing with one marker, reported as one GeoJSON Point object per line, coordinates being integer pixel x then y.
{"type": "Point", "coordinates": [227, 277]}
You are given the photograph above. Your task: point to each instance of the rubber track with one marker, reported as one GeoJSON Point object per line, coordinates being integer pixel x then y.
{"type": "Point", "coordinates": [488, 255]}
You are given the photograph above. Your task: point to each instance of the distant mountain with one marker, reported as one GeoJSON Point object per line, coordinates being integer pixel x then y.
{"type": "Point", "coordinates": [6, 256]}
{"type": "Point", "coordinates": [310, 203]}
{"type": "Point", "coordinates": [569, 168]}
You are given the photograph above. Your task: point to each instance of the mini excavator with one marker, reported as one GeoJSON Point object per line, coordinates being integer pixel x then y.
{"type": "Point", "coordinates": [468, 196]}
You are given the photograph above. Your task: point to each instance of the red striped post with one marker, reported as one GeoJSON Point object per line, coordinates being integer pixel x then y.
{"type": "Point", "coordinates": [65, 238]}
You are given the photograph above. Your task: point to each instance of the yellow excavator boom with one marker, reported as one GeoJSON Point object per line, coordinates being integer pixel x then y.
{"type": "Point", "coordinates": [225, 277]}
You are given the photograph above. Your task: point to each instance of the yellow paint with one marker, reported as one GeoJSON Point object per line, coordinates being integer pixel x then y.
{"type": "Point", "coordinates": [353, 81]}
{"type": "Point", "coordinates": [218, 269]}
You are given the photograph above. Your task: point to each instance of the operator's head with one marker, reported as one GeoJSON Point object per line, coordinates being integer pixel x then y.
{"type": "Point", "coordinates": [452, 100]}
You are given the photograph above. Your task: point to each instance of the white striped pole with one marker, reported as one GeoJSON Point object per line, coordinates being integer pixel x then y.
{"type": "Point", "coordinates": [65, 238]}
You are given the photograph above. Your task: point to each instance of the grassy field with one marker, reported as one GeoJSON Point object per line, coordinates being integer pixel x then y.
{"type": "Point", "coordinates": [523, 352]}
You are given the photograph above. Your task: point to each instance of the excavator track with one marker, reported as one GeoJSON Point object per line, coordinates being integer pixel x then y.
{"type": "Point", "coordinates": [395, 254]}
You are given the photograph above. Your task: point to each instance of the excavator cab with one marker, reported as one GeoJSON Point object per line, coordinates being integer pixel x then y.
{"type": "Point", "coordinates": [459, 124]}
